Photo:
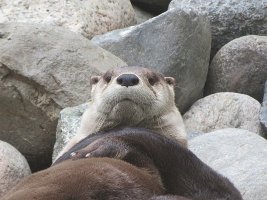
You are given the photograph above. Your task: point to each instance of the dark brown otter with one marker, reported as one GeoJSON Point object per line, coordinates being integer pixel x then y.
{"type": "Point", "coordinates": [126, 163]}
{"type": "Point", "coordinates": [181, 172]}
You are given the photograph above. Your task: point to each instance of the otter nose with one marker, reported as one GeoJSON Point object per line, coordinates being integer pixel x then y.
{"type": "Point", "coordinates": [128, 80]}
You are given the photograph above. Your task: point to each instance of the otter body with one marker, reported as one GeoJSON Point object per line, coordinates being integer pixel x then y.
{"type": "Point", "coordinates": [88, 179]}
{"type": "Point", "coordinates": [131, 96]}
{"type": "Point", "coordinates": [126, 163]}
{"type": "Point", "coordinates": [181, 173]}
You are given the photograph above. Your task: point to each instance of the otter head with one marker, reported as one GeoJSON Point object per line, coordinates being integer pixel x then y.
{"type": "Point", "coordinates": [131, 94]}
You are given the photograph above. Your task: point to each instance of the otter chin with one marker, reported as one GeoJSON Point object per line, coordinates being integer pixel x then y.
{"type": "Point", "coordinates": [131, 96]}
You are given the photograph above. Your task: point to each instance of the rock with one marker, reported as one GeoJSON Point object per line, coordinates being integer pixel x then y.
{"type": "Point", "coordinates": [13, 167]}
{"type": "Point", "coordinates": [141, 15]}
{"type": "Point", "coordinates": [68, 123]}
{"type": "Point", "coordinates": [42, 70]}
{"type": "Point", "coordinates": [175, 43]}
{"type": "Point", "coordinates": [229, 19]}
{"type": "Point", "coordinates": [237, 154]}
{"type": "Point", "coordinates": [88, 17]}
{"type": "Point", "coordinates": [263, 112]}
{"type": "Point", "coordinates": [223, 110]}
{"type": "Point", "coordinates": [240, 66]}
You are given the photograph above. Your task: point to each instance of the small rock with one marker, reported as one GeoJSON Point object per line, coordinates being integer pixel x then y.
{"type": "Point", "coordinates": [13, 167]}
{"type": "Point", "coordinates": [68, 123]}
{"type": "Point", "coordinates": [42, 70]}
{"type": "Point", "coordinates": [263, 113]}
{"type": "Point", "coordinates": [229, 19]}
{"type": "Point", "coordinates": [239, 155]}
{"type": "Point", "coordinates": [223, 110]}
{"type": "Point", "coordinates": [240, 66]}
{"type": "Point", "coordinates": [175, 43]}
{"type": "Point", "coordinates": [88, 17]}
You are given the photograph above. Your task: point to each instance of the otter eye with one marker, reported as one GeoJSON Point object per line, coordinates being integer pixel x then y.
{"type": "Point", "coordinates": [107, 77]}
{"type": "Point", "coordinates": [94, 80]}
{"type": "Point", "coordinates": [152, 79]}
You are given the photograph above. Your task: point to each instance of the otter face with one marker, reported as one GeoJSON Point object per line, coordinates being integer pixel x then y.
{"type": "Point", "coordinates": [128, 91]}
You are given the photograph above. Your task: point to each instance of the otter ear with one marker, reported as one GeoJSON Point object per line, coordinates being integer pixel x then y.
{"type": "Point", "coordinates": [170, 80]}
{"type": "Point", "coordinates": [94, 80]}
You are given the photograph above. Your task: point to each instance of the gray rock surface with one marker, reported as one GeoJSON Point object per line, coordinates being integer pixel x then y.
{"type": "Point", "coordinates": [230, 19]}
{"type": "Point", "coordinates": [175, 43]}
{"type": "Point", "coordinates": [68, 123]}
{"type": "Point", "coordinates": [263, 112]}
{"type": "Point", "coordinates": [240, 66]}
{"type": "Point", "coordinates": [13, 167]}
{"type": "Point", "coordinates": [239, 155]}
{"type": "Point", "coordinates": [42, 70]}
{"type": "Point", "coordinates": [223, 110]}
{"type": "Point", "coordinates": [88, 17]}
{"type": "Point", "coordinates": [141, 15]}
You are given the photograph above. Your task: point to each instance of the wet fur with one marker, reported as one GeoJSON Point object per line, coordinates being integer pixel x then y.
{"type": "Point", "coordinates": [126, 163]}
{"type": "Point", "coordinates": [180, 171]}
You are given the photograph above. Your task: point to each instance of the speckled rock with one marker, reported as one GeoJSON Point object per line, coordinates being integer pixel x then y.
{"type": "Point", "coordinates": [240, 66]}
{"type": "Point", "coordinates": [42, 70]}
{"type": "Point", "coordinates": [68, 123]}
{"type": "Point", "coordinates": [88, 17]}
{"type": "Point", "coordinates": [230, 19]}
{"type": "Point", "coordinates": [13, 167]}
{"type": "Point", "coordinates": [175, 43]}
{"type": "Point", "coordinates": [239, 155]}
{"type": "Point", "coordinates": [223, 110]}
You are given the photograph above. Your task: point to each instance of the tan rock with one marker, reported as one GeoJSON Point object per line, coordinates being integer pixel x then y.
{"type": "Point", "coordinates": [13, 167]}
{"type": "Point", "coordinates": [42, 70]}
{"type": "Point", "coordinates": [238, 154]}
{"type": "Point", "coordinates": [223, 110]}
{"type": "Point", "coordinates": [88, 17]}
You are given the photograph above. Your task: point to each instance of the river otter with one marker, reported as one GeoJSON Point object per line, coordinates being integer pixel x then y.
{"type": "Point", "coordinates": [131, 96]}
{"type": "Point", "coordinates": [180, 171]}
{"type": "Point", "coordinates": [126, 163]}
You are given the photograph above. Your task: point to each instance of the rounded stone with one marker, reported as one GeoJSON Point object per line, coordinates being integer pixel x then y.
{"type": "Point", "coordinates": [88, 17]}
{"type": "Point", "coordinates": [223, 110]}
{"type": "Point", "coordinates": [239, 155]}
{"type": "Point", "coordinates": [229, 19]}
{"type": "Point", "coordinates": [240, 66]}
{"type": "Point", "coordinates": [13, 167]}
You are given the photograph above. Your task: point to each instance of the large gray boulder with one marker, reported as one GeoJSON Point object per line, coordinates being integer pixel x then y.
{"type": "Point", "coordinates": [263, 113]}
{"type": "Point", "coordinates": [13, 167]}
{"type": "Point", "coordinates": [239, 155]}
{"type": "Point", "coordinates": [240, 66]}
{"type": "Point", "coordinates": [42, 70]}
{"type": "Point", "coordinates": [223, 110]}
{"type": "Point", "coordinates": [88, 17]}
{"type": "Point", "coordinates": [175, 43]}
{"type": "Point", "coordinates": [230, 19]}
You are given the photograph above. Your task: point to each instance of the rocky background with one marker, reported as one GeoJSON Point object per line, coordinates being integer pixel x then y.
{"type": "Point", "coordinates": [215, 49]}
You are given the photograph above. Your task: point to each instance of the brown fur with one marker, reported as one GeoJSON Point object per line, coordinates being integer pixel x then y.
{"type": "Point", "coordinates": [88, 179]}
{"type": "Point", "coordinates": [127, 163]}
{"type": "Point", "coordinates": [181, 172]}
